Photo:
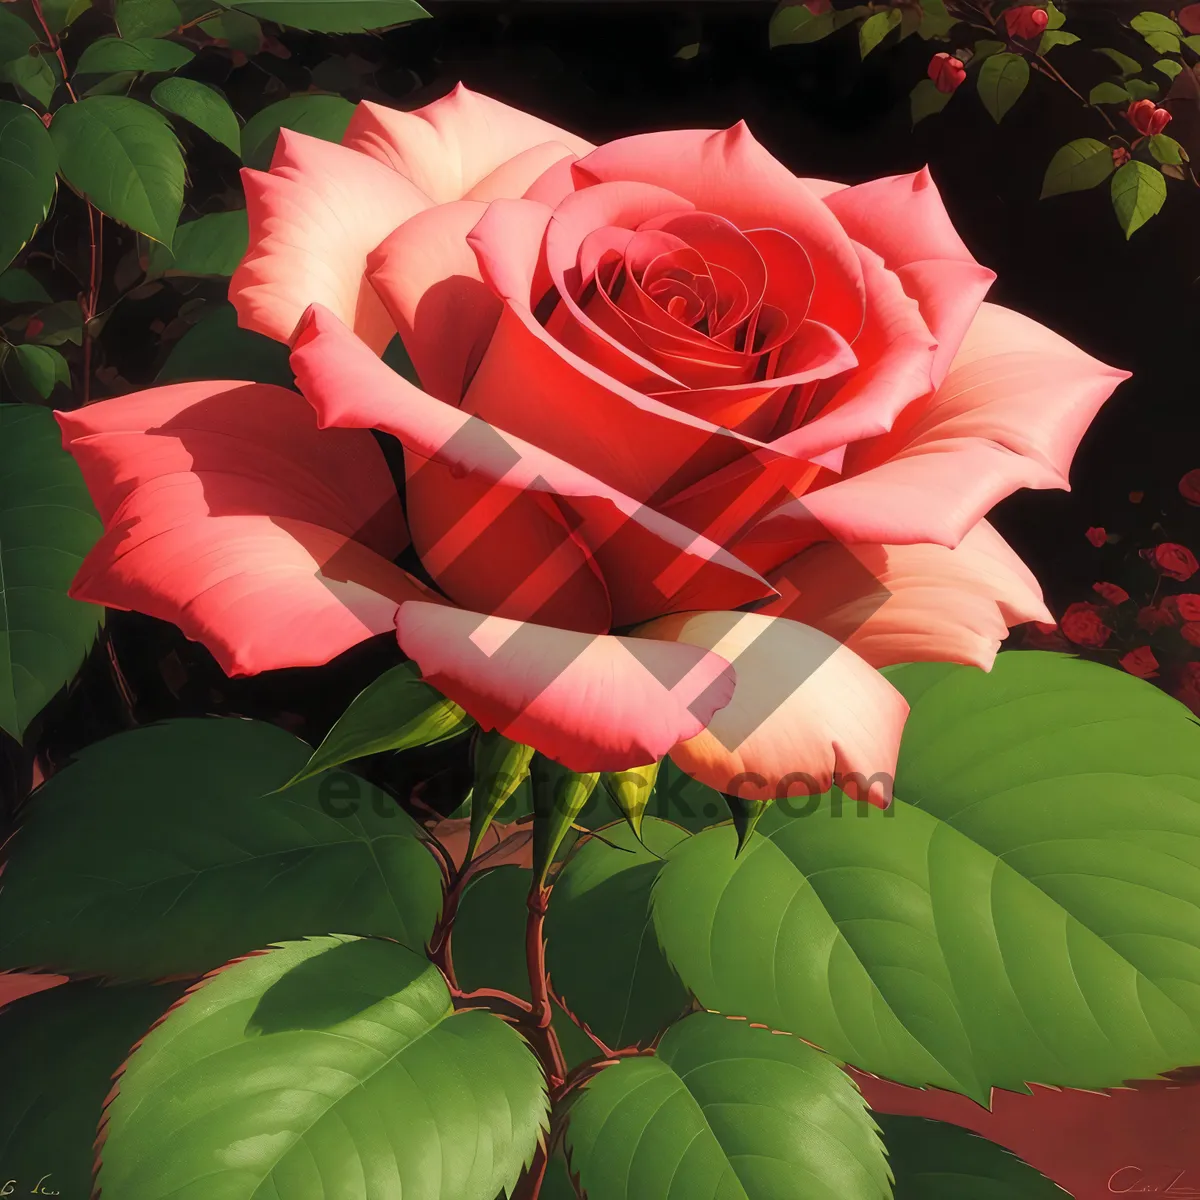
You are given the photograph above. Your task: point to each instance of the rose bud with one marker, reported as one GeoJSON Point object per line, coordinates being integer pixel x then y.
{"type": "Point", "coordinates": [1026, 21]}
{"type": "Point", "coordinates": [1140, 662]}
{"type": "Point", "coordinates": [1120, 156]}
{"type": "Point", "coordinates": [947, 72]}
{"type": "Point", "coordinates": [1189, 486]}
{"type": "Point", "coordinates": [1187, 605]}
{"type": "Point", "coordinates": [1111, 592]}
{"type": "Point", "coordinates": [1084, 626]}
{"type": "Point", "coordinates": [1147, 118]}
{"type": "Point", "coordinates": [1191, 632]}
{"type": "Point", "coordinates": [1152, 619]}
{"type": "Point", "coordinates": [1097, 535]}
{"type": "Point", "coordinates": [1172, 560]}
{"type": "Point", "coordinates": [34, 327]}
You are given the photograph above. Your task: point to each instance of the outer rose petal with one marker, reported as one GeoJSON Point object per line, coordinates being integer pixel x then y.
{"type": "Point", "coordinates": [228, 513]}
{"type": "Point", "coordinates": [922, 603]}
{"type": "Point", "coordinates": [451, 147]}
{"type": "Point", "coordinates": [805, 708]}
{"type": "Point", "coordinates": [314, 218]}
{"type": "Point", "coordinates": [592, 703]}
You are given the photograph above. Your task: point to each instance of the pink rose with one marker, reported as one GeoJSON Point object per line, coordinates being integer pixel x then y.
{"type": "Point", "coordinates": [1083, 625]}
{"type": "Point", "coordinates": [662, 381]}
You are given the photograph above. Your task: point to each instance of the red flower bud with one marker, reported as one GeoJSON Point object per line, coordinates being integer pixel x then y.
{"type": "Point", "coordinates": [1189, 486]}
{"type": "Point", "coordinates": [1025, 21]}
{"type": "Point", "coordinates": [1189, 17]}
{"type": "Point", "coordinates": [1140, 662]}
{"type": "Point", "coordinates": [1191, 632]}
{"type": "Point", "coordinates": [1084, 626]}
{"type": "Point", "coordinates": [1120, 156]}
{"type": "Point", "coordinates": [947, 72]}
{"type": "Point", "coordinates": [1172, 560]}
{"type": "Point", "coordinates": [1187, 605]}
{"type": "Point", "coordinates": [1111, 593]}
{"type": "Point", "coordinates": [1147, 118]}
{"type": "Point", "coordinates": [34, 327]}
{"type": "Point", "coordinates": [1096, 535]}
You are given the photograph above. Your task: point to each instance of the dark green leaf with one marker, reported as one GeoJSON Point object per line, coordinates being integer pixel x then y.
{"type": "Point", "coordinates": [27, 167]}
{"type": "Point", "coordinates": [1138, 193]}
{"type": "Point", "coordinates": [1077, 166]}
{"type": "Point", "coordinates": [1001, 80]}
{"type": "Point", "coordinates": [936, 22]}
{"type": "Point", "coordinates": [147, 18]}
{"type": "Point", "coordinates": [123, 157]}
{"type": "Point", "coordinates": [61, 1048]}
{"type": "Point", "coordinates": [725, 1110]}
{"type": "Point", "coordinates": [61, 322]}
{"type": "Point", "coordinates": [986, 47]}
{"type": "Point", "coordinates": [398, 711]}
{"type": "Point", "coordinates": [1056, 37]}
{"type": "Point", "coordinates": [1141, 89]}
{"type": "Point", "coordinates": [212, 245]}
{"type": "Point", "coordinates": [318, 116]}
{"type": "Point", "coordinates": [1166, 149]}
{"type": "Point", "coordinates": [602, 951]}
{"type": "Point", "coordinates": [17, 37]}
{"type": "Point", "coordinates": [17, 286]}
{"type": "Point", "coordinates": [61, 13]}
{"type": "Point", "coordinates": [875, 28]}
{"type": "Point", "coordinates": [242, 353]}
{"type": "Point", "coordinates": [137, 54]}
{"type": "Point", "coordinates": [1109, 93]}
{"type": "Point", "coordinates": [44, 368]}
{"type": "Point", "coordinates": [335, 16]}
{"type": "Point", "coordinates": [1023, 912]}
{"type": "Point", "coordinates": [47, 525]}
{"type": "Point", "coordinates": [1126, 65]}
{"type": "Point", "coordinates": [932, 1160]}
{"type": "Point", "coordinates": [178, 820]}
{"type": "Point", "coordinates": [795, 25]}
{"type": "Point", "coordinates": [332, 1066]}
{"type": "Point", "coordinates": [240, 30]}
{"type": "Point", "coordinates": [113, 85]}
{"type": "Point", "coordinates": [37, 75]}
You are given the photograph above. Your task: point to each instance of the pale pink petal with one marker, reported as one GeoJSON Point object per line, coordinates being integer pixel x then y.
{"type": "Point", "coordinates": [806, 712]}
{"type": "Point", "coordinates": [590, 702]}
{"type": "Point", "coordinates": [451, 146]}
{"type": "Point", "coordinates": [429, 281]}
{"type": "Point", "coordinates": [920, 603]}
{"type": "Point", "coordinates": [314, 218]}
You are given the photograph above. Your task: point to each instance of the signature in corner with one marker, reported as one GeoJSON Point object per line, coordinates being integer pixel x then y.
{"type": "Point", "coordinates": [41, 1188]}
{"type": "Point", "coordinates": [1162, 1181]}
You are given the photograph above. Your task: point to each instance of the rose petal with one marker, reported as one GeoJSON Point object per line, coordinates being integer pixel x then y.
{"type": "Point", "coordinates": [314, 218]}
{"type": "Point", "coordinates": [591, 703]}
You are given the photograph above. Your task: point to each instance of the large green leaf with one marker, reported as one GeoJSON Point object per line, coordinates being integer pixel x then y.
{"type": "Point", "coordinates": [47, 525]}
{"type": "Point", "coordinates": [37, 74]}
{"type": "Point", "coordinates": [242, 353]}
{"type": "Point", "coordinates": [729, 1111]}
{"type": "Point", "coordinates": [601, 947]}
{"type": "Point", "coordinates": [334, 16]}
{"type": "Point", "coordinates": [44, 368]}
{"type": "Point", "coordinates": [123, 156]}
{"type": "Point", "coordinates": [17, 37]}
{"type": "Point", "coordinates": [202, 106]}
{"type": "Point", "coordinates": [147, 18]}
{"type": "Point", "coordinates": [162, 851]}
{"type": "Point", "coordinates": [1001, 80]}
{"type": "Point", "coordinates": [61, 1048]}
{"type": "Point", "coordinates": [1028, 910]}
{"type": "Point", "coordinates": [27, 167]}
{"type": "Point", "coordinates": [334, 1066]}
{"type": "Point", "coordinates": [141, 55]}
{"type": "Point", "coordinates": [210, 245]}
{"type": "Point", "coordinates": [311, 113]}
{"type": "Point", "coordinates": [1138, 193]}
{"type": "Point", "coordinates": [1078, 165]}
{"type": "Point", "coordinates": [932, 1160]}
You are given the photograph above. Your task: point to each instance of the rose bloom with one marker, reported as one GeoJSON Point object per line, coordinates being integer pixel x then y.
{"type": "Point", "coordinates": [1191, 632]}
{"type": "Point", "coordinates": [1097, 535]}
{"type": "Point", "coordinates": [1186, 604]}
{"type": "Point", "coordinates": [1189, 485]}
{"type": "Point", "coordinates": [947, 72]}
{"type": "Point", "coordinates": [1111, 592]}
{"type": "Point", "coordinates": [1140, 662]}
{"type": "Point", "coordinates": [1083, 625]}
{"type": "Point", "coordinates": [698, 444]}
{"type": "Point", "coordinates": [1025, 21]}
{"type": "Point", "coordinates": [1147, 118]}
{"type": "Point", "coordinates": [1172, 560]}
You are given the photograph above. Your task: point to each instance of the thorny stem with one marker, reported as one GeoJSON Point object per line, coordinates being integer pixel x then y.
{"type": "Point", "coordinates": [539, 987]}
{"type": "Point", "coordinates": [596, 1041]}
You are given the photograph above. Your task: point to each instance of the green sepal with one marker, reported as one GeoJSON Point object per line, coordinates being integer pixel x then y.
{"type": "Point", "coordinates": [746, 814]}
{"type": "Point", "coordinates": [631, 790]}
{"type": "Point", "coordinates": [500, 768]}
{"type": "Point", "coordinates": [558, 798]}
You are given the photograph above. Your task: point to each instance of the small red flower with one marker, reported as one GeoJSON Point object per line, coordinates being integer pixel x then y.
{"type": "Point", "coordinates": [1120, 156]}
{"type": "Point", "coordinates": [1025, 21]}
{"type": "Point", "coordinates": [1188, 689]}
{"type": "Point", "coordinates": [1189, 485]}
{"type": "Point", "coordinates": [1187, 605]}
{"type": "Point", "coordinates": [1147, 118]}
{"type": "Point", "coordinates": [1111, 593]}
{"type": "Point", "coordinates": [1189, 17]}
{"type": "Point", "coordinates": [947, 72]}
{"type": "Point", "coordinates": [1191, 632]}
{"type": "Point", "coordinates": [1172, 560]}
{"type": "Point", "coordinates": [1140, 662]}
{"type": "Point", "coordinates": [1084, 626]}
{"type": "Point", "coordinates": [1152, 619]}
{"type": "Point", "coordinates": [1097, 535]}
{"type": "Point", "coordinates": [34, 327]}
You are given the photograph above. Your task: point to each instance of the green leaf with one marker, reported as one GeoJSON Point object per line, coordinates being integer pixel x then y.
{"type": "Point", "coordinates": [44, 368]}
{"type": "Point", "coordinates": [332, 1066]}
{"type": "Point", "coordinates": [1126, 65]}
{"type": "Point", "coordinates": [601, 948]}
{"type": "Point", "coordinates": [38, 75]}
{"type": "Point", "coordinates": [335, 16]}
{"type": "Point", "coordinates": [147, 18]}
{"type": "Point", "coordinates": [1001, 80]}
{"type": "Point", "coordinates": [631, 791]}
{"type": "Point", "coordinates": [123, 157]}
{"type": "Point", "coordinates": [500, 767]}
{"type": "Point", "coordinates": [936, 22]}
{"type": "Point", "coordinates": [27, 177]}
{"type": "Point", "coordinates": [1108, 93]}
{"type": "Point", "coordinates": [1141, 89]}
{"type": "Point", "coordinates": [17, 286]}
{"type": "Point", "coordinates": [1138, 193]}
{"type": "Point", "coordinates": [61, 13]}
{"type": "Point", "coordinates": [875, 28]}
{"type": "Point", "coordinates": [725, 1110]}
{"type": "Point", "coordinates": [178, 819]}
{"type": "Point", "coordinates": [1168, 67]}
{"type": "Point", "coordinates": [986, 47]}
{"type": "Point", "coordinates": [240, 30]}
{"type": "Point", "coordinates": [137, 54]}
{"type": "Point", "coordinates": [1054, 16]}
{"type": "Point", "coordinates": [558, 798]}
{"type": "Point", "coordinates": [933, 1160]}
{"type": "Point", "coordinates": [397, 711]}
{"type": "Point", "coordinates": [1166, 149]}
{"type": "Point", "coordinates": [1193, 43]}
{"type": "Point", "coordinates": [17, 37]}
{"type": "Point", "coordinates": [796, 25]}
{"type": "Point", "coordinates": [1163, 43]}
{"type": "Point", "coordinates": [1055, 37]}
{"type": "Point", "coordinates": [212, 245]}
{"type": "Point", "coordinates": [113, 85]}
{"type": "Point", "coordinates": [1077, 166]}
{"type": "Point", "coordinates": [61, 322]}
{"type": "Point", "coordinates": [47, 525]}
{"type": "Point", "coordinates": [316, 115]}
{"type": "Point", "coordinates": [1153, 22]}
{"type": "Point", "coordinates": [1024, 911]}
{"type": "Point", "coordinates": [61, 1049]}
{"type": "Point", "coordinates": [242, 353]}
